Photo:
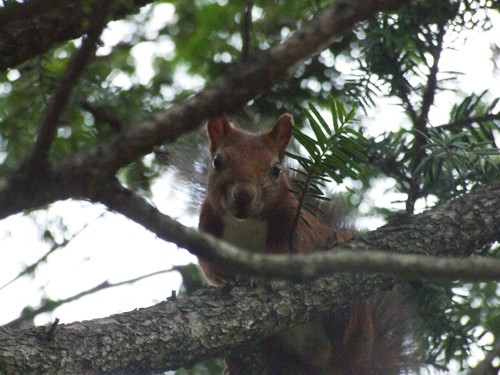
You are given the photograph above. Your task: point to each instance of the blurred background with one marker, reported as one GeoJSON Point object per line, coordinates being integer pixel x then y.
{"type": "Point", "coordinates": [76, 260]}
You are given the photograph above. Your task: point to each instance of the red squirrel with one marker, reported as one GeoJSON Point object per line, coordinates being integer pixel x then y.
{"type": "Point", "coordinates": [249, 203]}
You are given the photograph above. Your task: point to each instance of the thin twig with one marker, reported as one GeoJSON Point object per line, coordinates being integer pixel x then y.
{"type": "Point", "coordinates": [28, 315]}
{"type": "Point", "coordinates": [52, 330]}
{"type": "Point", "coordinates": [56, 246]}
{"type": "Point", "coordinates": [246, 30]}
{"type": "Point", "coordinates": [420, 127]}
{"type": "Point", "coordinates": [469, 121]}
{"type": "Point", "coordinates": [403, 93]}
{"type": "Point", "coordinates": [100, 114]}
{"type": "Point", "coordinates": [67, 83]}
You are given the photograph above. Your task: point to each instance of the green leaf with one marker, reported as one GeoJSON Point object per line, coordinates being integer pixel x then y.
{"type": "Point", "coordinates": [307, 142]}
{"type": "Point", "coordinates": [358, 135]}
{"type": "Point", "coordinates": [331, 157]}
{"type": "Point", "coordinates": [486, 151]}
{"type": "Point", "coordinates": [342, 140]}
{"type": "Point", "coordinates": [322, 138]}
{"type": "Point", "coordinates": [350, 148]}
{"type": "Point", "coordinates": [298, 157]}
{"type": "Point", "coordinates": [341, 112]}
{"type": "Point", "coordinates": [350, 116]}
{"type": "Point", "coordinates": [458, 136]}
{"type": "Point", "coordinates": [333, 111]}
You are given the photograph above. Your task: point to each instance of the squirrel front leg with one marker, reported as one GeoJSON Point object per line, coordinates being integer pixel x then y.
{"type": "Point", "coordinates": [210, 222]}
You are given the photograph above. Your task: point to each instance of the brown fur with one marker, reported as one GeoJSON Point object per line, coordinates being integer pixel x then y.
{"type": "Point", "coordinates": [244, 185]}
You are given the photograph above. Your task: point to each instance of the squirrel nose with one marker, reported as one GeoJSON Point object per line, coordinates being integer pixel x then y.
{"type": "Point", "coordinates": [242, 199]}
{"type": "Point", "coordinates": [243, 194]}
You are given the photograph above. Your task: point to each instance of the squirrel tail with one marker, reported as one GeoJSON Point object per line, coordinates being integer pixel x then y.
{"type": "Point", "coordinates": [374, 337]}
{"type": "Point", "coordinates": [395, 350]}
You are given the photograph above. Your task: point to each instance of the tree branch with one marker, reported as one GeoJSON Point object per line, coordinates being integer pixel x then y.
{"type": "Point", "coordinates": [469, 121]}
{"type": "Point", "coordinates": [403, 93]}
{"type": "Point", "coordinates": [28, 270]}
{"type": "Point", "coordinates": [455, 229]}
{"type": "Point", "coordinates": [420, 127]}
{"type": "Point", "coordinates": [246, 27]}
{"type": "Point", "coordinates": [27, 316]}
{"type": "Point", "coordinates": [81, 175]}
{"type": "Point", "coordinates": [22, 25]}
{"type": "Point", "coordinates": [101, 114]}
{"type": "Point", "coordinates": [48, 129]}
{"type": "Point", "coordinates": [176, 334]}
{"type": "Point", "coordinates": [21, 11]}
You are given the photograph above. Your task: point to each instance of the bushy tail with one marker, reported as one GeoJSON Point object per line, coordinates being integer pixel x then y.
{"type": "Point", "coordinates": [395, 350]}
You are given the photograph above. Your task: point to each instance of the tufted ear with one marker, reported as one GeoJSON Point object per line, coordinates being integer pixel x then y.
{"type": "Point", "coordinates": [218, 128]}
{"type": "Point", "coordinates": [281, 133]}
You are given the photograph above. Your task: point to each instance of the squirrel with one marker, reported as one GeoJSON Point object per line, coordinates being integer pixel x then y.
{"type": "Point", "coordinates": [249, 203]}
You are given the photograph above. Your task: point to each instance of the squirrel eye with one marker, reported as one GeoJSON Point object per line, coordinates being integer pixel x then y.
{"type": "Point", "coordinates": [216, 162]}
{"type": "Point", "coordinates": [276, 170]}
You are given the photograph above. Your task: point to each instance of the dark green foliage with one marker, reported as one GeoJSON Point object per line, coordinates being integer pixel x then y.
{"type": "Point", "coordinates": [457, 316]}
{"type": "Point", "coordinates": [393, 56]}
{"type": "Point", "coordinates": [332, 155]}
{"type": "Point", "coordinates": [334, 152]}
{"type": "Point", "coordinates": [457, 161]}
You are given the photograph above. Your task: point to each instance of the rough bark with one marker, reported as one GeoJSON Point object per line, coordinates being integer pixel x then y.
{"type": "Point", "coordinates": [172, 334]}
{"type": "Point", "coordinates": [33, 28]}
{"type": "Point", "coordinates": [180, 333]}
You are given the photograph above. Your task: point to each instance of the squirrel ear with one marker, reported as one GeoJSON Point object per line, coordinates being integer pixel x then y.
{"type": "Point", "coordinates": [281, 133]}
{"type": "Point", "coordinates": [217, 129]}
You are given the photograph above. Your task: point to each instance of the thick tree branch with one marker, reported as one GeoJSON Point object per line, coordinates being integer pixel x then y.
{"type": "Point", "coordinates": [455, 229]}
{"type": "Point", "coordinates": [32, 28]}
{"type": "Point", "coordinates": [16, 12]}
{"type": "Point", "coordinates": [82, 175]}
{"type": "Point", "coordinates": [175, 334]}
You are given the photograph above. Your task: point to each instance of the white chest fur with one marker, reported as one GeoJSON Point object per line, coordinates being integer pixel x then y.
{"type": "Point", "coordinates": [248, 234]}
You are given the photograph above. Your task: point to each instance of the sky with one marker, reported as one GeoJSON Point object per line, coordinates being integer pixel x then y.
{"type": "Point", "coordinates": [112, 248]}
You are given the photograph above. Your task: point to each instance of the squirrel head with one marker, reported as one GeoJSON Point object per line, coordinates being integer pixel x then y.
{"type": "Point", "coordinates": [246, 174]}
